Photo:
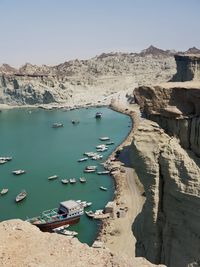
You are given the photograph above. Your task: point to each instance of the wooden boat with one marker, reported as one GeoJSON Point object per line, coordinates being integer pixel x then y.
{"type": "Point", "coordinates": [57, 125]}
{"type": "Point", "coordinates": [4, 191]}
{"type": "Point", "coordinates": [21, 196]}
{"type": "Point", "coordinates": [103, 188]}
{"type": "Point", "coordinates": [18, 172]}
{"type": "Point", "coordinates": [64, 181]}
{"type": "Point", "coordinates": [53, 177]}
{"type": "Point", "coordinates": [82, 180]}
{"type": "Point", "coordinates": [104, 138]}
{"type": "Point", "coordinates": [68, 212]}
{"type": "Point", "coordinates": [83, 159]}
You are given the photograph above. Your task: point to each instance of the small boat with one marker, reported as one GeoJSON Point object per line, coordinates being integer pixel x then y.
{"type": "Point", "coordinates": [101, 146]}
{"type": "Point", "coordinates": [2, 161]}
{"type": "Point", "coordinates": [103, 172]}
{"type": "Point", "coordinates": [75, 122]}
{"type": "Point", "coordinates": [97, 157]}
{"type": "Point", "coordinates": [83, 159]}
{"type": "Point", "coordinates": [82, 180]}
{"type": "Point", "coordinates": [57, 125]}
{"type": "Point", "coordinates": [98, 115]}
{"type": "Point", "coordinates": [68, 233]}
{"type": "Point", "coordinates": [18, 172]}
{"type": "Point", "coordinates": [64, 181]}
{"type": "Point", "coordinates": [68, 212]}
{"type": "Point", "coordinates": [89, 171]}
{"type": "Point", "coordinates": [53, 177]}
{"type": "Point", "coordinates": [88, 204]}
{"type": "Point", "coordinates": [91, 167]}
{"type": "Point", "coordinates": [72, 181]}
{"type": "Point", "coordinates": [104, 138]}
{"type": "Point", "coordinates": [4, 191]}
{"type": "Point", "coordinates": [89, 154]}
{"type": "Point", "coordinates": [102, 149]}
{"type": "Point", "coordinates": [21, 196]}
{"type": "Point", "coordinates": [90, 213]}
{"type": "Point", "coordinates": [103, 188]}
{"type": "Point", "coordinates": [6, 158]}
{"type": "Point", "coordinates": [110, 143]}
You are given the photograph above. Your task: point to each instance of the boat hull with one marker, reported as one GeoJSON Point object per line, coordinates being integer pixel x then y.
{"type": "Point", "coordinates": [49, 226]}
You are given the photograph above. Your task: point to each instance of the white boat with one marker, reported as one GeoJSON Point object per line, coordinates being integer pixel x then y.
{"type": "Point", "coordinates": [102, 149]}
{"type": "Point", "coordinates": [101, 146]}
{"type": "Point", "coordinates": [89, 154]}
{"type": "Point", "coordinates": [72, 181]}
{"type": "Point", "coordinates": [53, 177]}
{"type": "Point", "coordinates": [6, 158]}
{"type": "Point", "coordinates": [103, 172]}
{"type": "Point", "coordinates": [4, 191]}
{"type": "Point", "coordinates": [90, 213]}
{"type": "Point", "coordinates": [21, 196]}
{"type": "Point", "coordinates": [2, 161]}
{"type": "Point", "coordinates": [88, 204]}
{"type": "Point", "coordinates": [68, 233]}
{"type": "Point", "coordinates": [103, 188]}
{"type": "Point", "coordinates": [18, 172]}
{"type": "Point", "coordinates": [91, 167]}
{"type": "Point", "coordinates": [97, 157]}
{"type": "Point", "coordinates": [89, 171]}
{"type": "Point", "coordinates": [64, 181]}
{"type": "Point", "coordinates": [82, 180]}
{"type": "Point", "coordinates": [104, 138]}
{"type": "Point", "coordinates": [57, 125]}
{"type": "Point", "coordinates": [82, 159]}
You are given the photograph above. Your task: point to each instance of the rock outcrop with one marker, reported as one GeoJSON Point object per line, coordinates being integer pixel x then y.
{"type": "Point", "coordinates": [24, 245]}
{"type": "Point", "coordinates": [188, 67]}
{"type": "Point", "coordinates": [175, 107]}
{"type": "Point", "coordinates": [167, 230]}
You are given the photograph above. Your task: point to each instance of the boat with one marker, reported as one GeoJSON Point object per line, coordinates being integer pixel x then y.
{"type": "Point", "coordinates": [64, 181]}
{"type": "Point", "coordinates": [53, 177]}
{"type": "Point", "coordinates": [90, 213]}
{"type": "Point", "coordinates": [75, 122]}
{"type": "Point", "coordinates": [98, 115]}
{"type": "Point", "coordinates": [104, 138]}
{"type": "Point", "coordinates": [82, 180]}
{"type": "Point", "coordinates": [110, 143]}
{"type": "Point", "coordinates": [97, 157]}
{"type": "Point", "coordinates": [68, 233]}
{"type": "Point", "coordinates": [88, 204]}
{"type": "Point", "coordinates": [72, 181]}
{"type": "Point", "coordinates": [57, 125]}
{"type": "Point", "coordinates": [91, 167]}
{"type": "Point", "coordinates": [6, 158]}
{"type": "Point", "coordinates": [2, 161]}
{"type": "Point", "coordinates": [89, 171]}
{"type": "Point", "coordinates": [21, 196]}
{"type": "Point", "coordinates": [98, 214]}
{"type": "Point", "coordinates": [4, 191]}
{"type": "Point", "coordinates": [18, 172]}
{"type": "Point", "coordinates": [103, 188]}
{"type": "Point", "coordinates": [68, 212]}
{"type": "Point", "coordinates": [89, 154]}
{"type": "Point", "coordinates": [101, 146]}
{"type": "Point", "coordinates": [102, 149]}
{"type": "Point", "coordinates": [103, 172]}
{"type": "Point", "coordinates": [83, 159]}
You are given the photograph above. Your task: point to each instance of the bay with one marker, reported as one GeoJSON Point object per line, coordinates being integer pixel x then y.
{"type": "Point", "coordinates": [27, 135]}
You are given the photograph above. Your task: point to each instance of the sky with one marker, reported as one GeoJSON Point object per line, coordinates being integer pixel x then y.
{"type": "Point", "coordinates": [53, 31]}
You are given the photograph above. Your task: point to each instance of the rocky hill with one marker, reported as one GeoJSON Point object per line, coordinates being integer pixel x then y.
{"type": "Point", "coordinates": [84, 81]}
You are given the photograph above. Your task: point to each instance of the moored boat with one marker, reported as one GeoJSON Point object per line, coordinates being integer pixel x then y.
{"type": "Point", "coordinates": [18, 172]}
{"type": "Point", "coordinates": [91, 167]}
{"type": "Point", "coordinates": [98, 115]}
{"type": "Point", "coordinates": [53, 177]}
{"type": "Point", "coordinates": [68, 212]}
{"type": "Point", "coordinates": [4, 191]}
{"type": "Point", "coordinates": [21, 196]}
{"type": "Point", "coordinates": [82, 180]}
{"type": "Point", "coordinates": [72, 181]}
{"type": "Point", "coordinates": [89, 171]}
{"type": "Point", "coordinates": [103, 188]}
{"type": "Point", "coordinates": [57, 125]}
{"type": "Point", "coordinates": [103, 172]}
{"type": "Point", "coordinates": [83, 159]}
{"type": "Point", "coordinates": [104, 138]}
{"type": "Point", "coordinates": [64, 181]}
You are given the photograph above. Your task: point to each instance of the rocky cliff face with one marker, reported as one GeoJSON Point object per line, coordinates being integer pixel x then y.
{"type": "Point", "coordinates": [175, 107]}
{"type": "Point", "coordinates": [76, 80]}
{"type": "Point", "coordinates": [167, 230]}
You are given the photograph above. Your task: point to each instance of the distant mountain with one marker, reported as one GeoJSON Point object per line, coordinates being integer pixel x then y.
{"type": "Point", "coordinates": [192, 50]}
{"type": "Point", "coordinates": [152, 50]}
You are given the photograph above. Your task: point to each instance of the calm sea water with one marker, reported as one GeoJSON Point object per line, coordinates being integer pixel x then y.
{"type": "Point", "coordinates": [27, 135]}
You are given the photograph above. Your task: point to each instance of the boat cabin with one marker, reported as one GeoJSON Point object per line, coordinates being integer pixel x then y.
{"type": "Point", "coordinates": [71, 208]}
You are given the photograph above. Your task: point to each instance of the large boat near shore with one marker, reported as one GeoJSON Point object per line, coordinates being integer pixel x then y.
{"type": "Point", "coordinates": [69, 212]}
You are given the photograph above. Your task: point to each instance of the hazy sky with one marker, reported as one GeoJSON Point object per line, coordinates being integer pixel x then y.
{"type": "Point", "coordinates": [53, 31]}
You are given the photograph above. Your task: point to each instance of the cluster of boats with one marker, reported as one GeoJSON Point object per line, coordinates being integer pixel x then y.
{"type": "Point", "coordinates": [67, 181]}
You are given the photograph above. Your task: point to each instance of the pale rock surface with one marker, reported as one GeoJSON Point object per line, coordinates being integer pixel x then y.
{"type": "Point", "coordinates": [24, 245]}
{"type": "Point", "coordinates": [167, 230]}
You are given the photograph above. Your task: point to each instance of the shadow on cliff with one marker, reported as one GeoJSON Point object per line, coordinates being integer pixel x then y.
{"type": "Point", "coordinates": [123, 156]}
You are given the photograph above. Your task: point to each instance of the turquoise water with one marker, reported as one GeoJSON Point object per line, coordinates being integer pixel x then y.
{"type": "Point", "coordinates": [27, 135]}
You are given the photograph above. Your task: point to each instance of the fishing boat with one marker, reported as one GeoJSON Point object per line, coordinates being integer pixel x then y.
{"type": "Point", "coordinates": [53, 177]}
{"type": "Point", "coordinates": [2, 161]}
{"type": "Point", "coordinates": [18, 172]}
{"type": "Point", "coordinates": [98, 115]}
{"type": "Point", "coordinates": [21, 196]}
{"type": "Point", "coordinates": [4, 191]}
{"type": "Point", "coordinates": [68, 212]}
{"type": "Point", "coordinates": [83, 159]}
{"type": "Point", "coordinates": [101, 146]}
{"type": "Point", "coordinates": [57, 125]}
{"type": "Point", "coordinates": [90, 167]}
{"type": "Point", "coordinates": [82, 180]}
{"type": "Point", "coordinates": [68, 233]}
{"type": "Point", "coordinates": [103, 188]}
{"type": "Point", "coordinates": [6, 158]}
{"type": "Point", "coordinates": [72, 181]}
{"type": "Point", "coordinates": [102, 149]}
{"type": "Point", "coordinates": [89, 171]}
{"type": "Point", "coordinates": [103, 172]}
{"type": "Point", "coordinates": [64, 181]}
{"type": "Point", "coordinates": [104, 138]}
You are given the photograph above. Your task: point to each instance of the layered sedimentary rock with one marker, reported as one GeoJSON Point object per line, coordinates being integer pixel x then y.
{"type": "Point", "coordinates": [176, 108]}
{"type": "Point", "coordinates": [167, 230]}
{"type": "Point", "coordinates": [24, 245]}
{"type": "Point", "coordinates": [188, 67]}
